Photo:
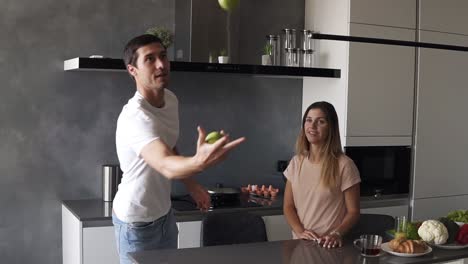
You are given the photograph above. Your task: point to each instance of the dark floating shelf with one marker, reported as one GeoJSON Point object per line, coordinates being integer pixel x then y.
{"type": "Point", "coordinates": [108, 64]}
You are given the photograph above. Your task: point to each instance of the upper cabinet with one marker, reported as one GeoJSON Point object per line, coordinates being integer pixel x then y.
{"type": "Point", "coordinates": [395, 13]}
{"type": "Point", "coordinates": [381, 84]}
{"type": "Point", "coordinates": [441, 168]}
{"type": "Point", "coordinates": [374, 97]}
{"type": "Point", "coordinates": [447, 16]}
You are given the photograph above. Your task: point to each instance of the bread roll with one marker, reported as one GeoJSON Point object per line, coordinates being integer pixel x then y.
{"type": "Point", "coordinates": [402, 245]}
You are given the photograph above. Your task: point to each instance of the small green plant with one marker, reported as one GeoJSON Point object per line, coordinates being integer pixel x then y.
{"type": "Point", "coordinates": [268, 49]}
{"type": "Point", "coordinates": [223, 52]}
{"type": "Point", "coordinates": [164, 34]}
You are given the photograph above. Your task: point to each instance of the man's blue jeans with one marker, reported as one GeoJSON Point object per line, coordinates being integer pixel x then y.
{"type": "Point", "coordinates": [139, 236]}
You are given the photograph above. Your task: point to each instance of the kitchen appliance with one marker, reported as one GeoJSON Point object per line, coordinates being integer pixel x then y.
{"type": "Point", "coordinates": [384, 170]}
{"type": "Point", "coordinates": [111, 177]}
{"type": "Point", "coordinates": [186, 203]}
{"type": "Point", "coordinates": [222, 196]}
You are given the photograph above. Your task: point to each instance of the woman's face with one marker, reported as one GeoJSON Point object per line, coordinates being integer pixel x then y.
{"type": "Point", "coordinates": [316, 127]}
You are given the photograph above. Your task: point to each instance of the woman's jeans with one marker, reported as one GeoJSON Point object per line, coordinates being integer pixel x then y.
{"type": "Point", "coordinates": [139, 236]}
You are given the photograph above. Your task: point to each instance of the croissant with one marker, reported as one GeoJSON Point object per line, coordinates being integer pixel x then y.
{"type": "Point", "coordinates": [402, 245]}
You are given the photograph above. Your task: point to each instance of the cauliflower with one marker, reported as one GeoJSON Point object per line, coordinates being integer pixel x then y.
{"type": "Point", "coordinates": [433, 231]}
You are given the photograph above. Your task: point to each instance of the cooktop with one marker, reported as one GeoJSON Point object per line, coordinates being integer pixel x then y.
{"type": "Point", "coordinates": [186, 203]}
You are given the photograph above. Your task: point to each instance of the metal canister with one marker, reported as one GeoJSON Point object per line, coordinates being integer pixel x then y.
{"type": "Point", "coordinates": [111, 177]}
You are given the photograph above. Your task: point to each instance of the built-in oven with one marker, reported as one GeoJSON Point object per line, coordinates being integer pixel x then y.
{"type": "Point", "coordinates": [384, 170]}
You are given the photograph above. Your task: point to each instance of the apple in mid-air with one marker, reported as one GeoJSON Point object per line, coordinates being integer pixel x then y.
{"type": "Point", "coordinates": [228, 5]}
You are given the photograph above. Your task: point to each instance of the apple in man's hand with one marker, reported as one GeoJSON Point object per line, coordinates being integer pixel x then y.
{"type": "Point", "coordinates": [212, 137]}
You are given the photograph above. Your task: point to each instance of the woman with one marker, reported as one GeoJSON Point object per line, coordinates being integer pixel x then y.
{"type": "Point", "coordinates": [321, 199]}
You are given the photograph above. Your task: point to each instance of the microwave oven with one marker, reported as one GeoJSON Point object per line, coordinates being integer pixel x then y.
{"type": "Point", "coordinates": [384, 170]}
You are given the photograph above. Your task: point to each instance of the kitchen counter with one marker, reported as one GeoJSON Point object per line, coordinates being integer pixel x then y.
{"type": "Point", "coordinates": [287, 251]}
{"type": "Point", "coordinates": [95, 212]}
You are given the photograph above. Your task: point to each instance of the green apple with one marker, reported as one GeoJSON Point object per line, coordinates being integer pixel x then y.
{"type": "Point", "coordinates": [212, 137]}
{"type": "Point", "coordinates": [228, 5]}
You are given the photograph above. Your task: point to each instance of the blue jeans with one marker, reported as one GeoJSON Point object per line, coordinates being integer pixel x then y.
{"type": "Point", "coordinates": [139, 236]}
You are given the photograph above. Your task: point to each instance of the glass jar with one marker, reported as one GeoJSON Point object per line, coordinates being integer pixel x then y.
{"type": "Point", "coordinates": [273, 40]}
{"type": "Point", "coordinates": [306, 37]}
{"type": "Point", "coordinates": [289, 42]}
{"type": "Point", "coordinates": [308, 58]}
{"type": "Point", "coordinates": [293, 57]}
{"type": "Point", "coordinates": [289, 38]}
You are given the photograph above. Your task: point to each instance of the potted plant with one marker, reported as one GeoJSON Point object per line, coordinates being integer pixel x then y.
{"type": "Point", "coordinates": [266, 57]}
{"type": "Point", "coordinates": [164, 34]}
{"type": "Point", "coordinates": [223, 56]}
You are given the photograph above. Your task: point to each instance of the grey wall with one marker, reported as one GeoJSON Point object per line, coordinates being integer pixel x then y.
{"type": "Point", "coordinates": [267, 111]}
{"type": "Point", "coordinates": [57, 128]}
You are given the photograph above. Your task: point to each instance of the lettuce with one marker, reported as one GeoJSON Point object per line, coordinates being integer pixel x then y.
{"type": "Point", "coordinates": [458, 216]}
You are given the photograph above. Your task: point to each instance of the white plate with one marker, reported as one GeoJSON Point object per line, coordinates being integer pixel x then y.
{"type": "Point", "coordinates": [460, 223]}
{"type": "Point", "coordinates": [387, 249]}
{"type": "Point", "coordinates": [450, 246]}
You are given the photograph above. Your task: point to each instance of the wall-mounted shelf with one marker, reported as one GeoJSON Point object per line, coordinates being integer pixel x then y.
{"type": "Point", "coordinates": [109, 64]}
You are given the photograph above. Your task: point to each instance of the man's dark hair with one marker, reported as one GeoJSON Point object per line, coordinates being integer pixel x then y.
{"type": "Point", "coordinates": [130, 55]}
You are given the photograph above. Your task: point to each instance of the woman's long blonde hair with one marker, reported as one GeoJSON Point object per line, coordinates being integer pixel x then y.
{"type": "Point", "coordinates": [330, 151]}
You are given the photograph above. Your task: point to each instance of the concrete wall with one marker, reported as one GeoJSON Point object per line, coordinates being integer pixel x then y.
{"type": "Point", "coordinates": [57, 128]}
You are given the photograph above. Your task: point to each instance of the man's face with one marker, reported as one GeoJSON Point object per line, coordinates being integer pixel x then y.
{"type": "Point", "coordinates": [152, 67]}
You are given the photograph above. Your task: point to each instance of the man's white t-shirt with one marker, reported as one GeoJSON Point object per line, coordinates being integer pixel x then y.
{"type": "Point", "coordinates": [144, 194]}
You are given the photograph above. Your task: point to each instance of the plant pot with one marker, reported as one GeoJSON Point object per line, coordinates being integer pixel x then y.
{"type": "Point", "coordinates": [267, 60]}
{"type": "Point", "coordinates": [223, 59]}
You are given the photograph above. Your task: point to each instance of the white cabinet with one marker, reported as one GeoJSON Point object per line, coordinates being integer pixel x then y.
{"type": "Point", "coordinates": [381, 84]}
{"type": "Point", "coordinates": [86, 245]}
{"type": "Point", "coordinates": [374, 97]}
{"type": "Point", "coordinates": [71, 238]}
{"type": "Point", "coordinates": [396, 13]}
{"type": "Point", "coordinates": [92, 245]}
{"type": "Point", "coordinates": [400, 210]}
{"type": "Point", "coordinates": [448, 16]}
{"type": "Point", "coordinates": [189, 234]}
{"type": "Point", "coordinates": [433, 208]}
{"type": "Point", "coordinates": [99, 245]}
{"type": "Point", "coordinates": [440, 167]}
{"type": "Point", "coordinates": [277, 228]}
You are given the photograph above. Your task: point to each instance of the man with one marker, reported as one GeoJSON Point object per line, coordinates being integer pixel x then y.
{"type": "Point", "coordinates": [147, 131]}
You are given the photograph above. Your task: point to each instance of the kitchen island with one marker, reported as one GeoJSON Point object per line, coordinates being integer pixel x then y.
{"type": "Point", "coordinates": [288, 252]}
{"type": "Point", "coordinates": [88, 234]}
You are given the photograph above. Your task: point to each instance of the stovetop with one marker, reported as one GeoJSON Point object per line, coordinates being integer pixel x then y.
{"type": "Point", "coordinates": [186, 203]}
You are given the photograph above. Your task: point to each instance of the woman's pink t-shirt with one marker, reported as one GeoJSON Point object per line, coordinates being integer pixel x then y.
{"type": "Point", "coordinates": [319, 209]}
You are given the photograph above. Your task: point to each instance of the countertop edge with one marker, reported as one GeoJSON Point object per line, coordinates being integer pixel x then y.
{"type": "Point", "coordinates": [188, 216]}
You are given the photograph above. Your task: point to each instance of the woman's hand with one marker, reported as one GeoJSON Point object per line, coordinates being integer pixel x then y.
{"type": "Point", "coordinates": [307, 235]}
{"type": "Point", "coordinates": [331, 240]}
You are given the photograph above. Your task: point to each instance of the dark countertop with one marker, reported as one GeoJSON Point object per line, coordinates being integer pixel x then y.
{"type": "Point", "coordinates": [95, 212]}
{"type": "Point", "coordinates": [285, 252]}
